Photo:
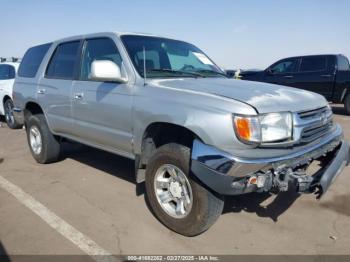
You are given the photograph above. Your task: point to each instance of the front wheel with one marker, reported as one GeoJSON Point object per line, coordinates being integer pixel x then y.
{"type": "Point", "coordinates": [179, 201]}
{"type": "Point", "coordinates": [10, 119]}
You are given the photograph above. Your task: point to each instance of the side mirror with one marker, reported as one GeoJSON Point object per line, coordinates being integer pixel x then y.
{"type": "Point", "coordinates": [105, 70]}
{"type": "Point", "coordinates": [269, 71]}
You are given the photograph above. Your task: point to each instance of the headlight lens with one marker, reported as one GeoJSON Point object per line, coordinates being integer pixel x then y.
{"type": "Point", "coordinates": [264, 128]}
{"type": "Point", "coordinates": [276, 127]}
{"type": "Point", "coordinates": [248, 128]}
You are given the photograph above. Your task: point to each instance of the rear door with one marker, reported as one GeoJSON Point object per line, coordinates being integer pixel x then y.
{"type": "Point", "coordinates": [316, 74]}
{"type": "Point", "coordinates": [102, 110]}
{"type": "Point", "coordinates": [54, 91]}
{"type": "Point", "coordinates": [7, 75]}
{"type": "Point", "coordinates": [282, 72]}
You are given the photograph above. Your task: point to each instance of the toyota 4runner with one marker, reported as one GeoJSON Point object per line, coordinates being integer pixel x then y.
{"type": "Point", "coordinates": [194, 134]}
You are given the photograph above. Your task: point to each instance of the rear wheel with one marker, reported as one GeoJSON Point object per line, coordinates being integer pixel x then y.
{"type": "Point", "coordinates": [44, 146]}
{"type": "Point", "coordinates": [347, 104]}
{"type": "Point", "coordinates": [179, 201]}
{"type": "Point", "coordinates": [9, 116]}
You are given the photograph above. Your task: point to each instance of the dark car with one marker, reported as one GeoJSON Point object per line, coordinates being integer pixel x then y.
{"type": "Point", "coordinates": [328, 75]}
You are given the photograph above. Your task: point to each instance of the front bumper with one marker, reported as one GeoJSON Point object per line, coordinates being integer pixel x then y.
{"type": "Point", "coordinates": [232, 175]}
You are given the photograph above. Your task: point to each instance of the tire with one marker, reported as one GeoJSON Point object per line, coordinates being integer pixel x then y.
{"type": "Point", "coordinates": [347, 104]}
{"type": "Point", "coordinates": [10, 119]}
{"type": "Point", "coordinates": [38, 130]}
{"type": "Point", "coordinates": [206, 206]}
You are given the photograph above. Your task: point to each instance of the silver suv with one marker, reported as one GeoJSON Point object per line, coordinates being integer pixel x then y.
{"type": "Point", "coordinates": [194, 134]}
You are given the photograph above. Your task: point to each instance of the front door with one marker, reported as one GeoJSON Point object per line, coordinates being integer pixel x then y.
{"type": "Point", "coordinates": [102, 111]}
{"type": "Point", "coordinates": [282, 72]}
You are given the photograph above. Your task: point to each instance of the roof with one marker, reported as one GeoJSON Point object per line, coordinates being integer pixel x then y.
{"type": "Point", "coordinates": [314, 55]}
{"type": "Point", "coordinates": [71, 38]}
{"type": "Point", "coordinates": [15, 64]}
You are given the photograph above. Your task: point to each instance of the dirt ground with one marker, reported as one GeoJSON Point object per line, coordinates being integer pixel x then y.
{"type": "Point", "coordinates": [94, 192]}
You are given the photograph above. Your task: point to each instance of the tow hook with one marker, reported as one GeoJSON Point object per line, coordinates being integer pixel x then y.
{"type": "Point", "coordinates": [286, 178]}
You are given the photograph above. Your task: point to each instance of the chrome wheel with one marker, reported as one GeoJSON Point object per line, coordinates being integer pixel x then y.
{"type": "Point", "coordinates": [35, 140]}
{"type": "Point", "coordinates": [173, 191]}
{"type": "Point", "coordinates": [10, 119]}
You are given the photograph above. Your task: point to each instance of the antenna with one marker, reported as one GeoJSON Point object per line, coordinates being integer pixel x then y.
{"type": "Point", "coordinates": [144, 66]}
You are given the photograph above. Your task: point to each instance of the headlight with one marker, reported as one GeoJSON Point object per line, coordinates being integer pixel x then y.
{"type": "Point", "coordinates": [264, 128]}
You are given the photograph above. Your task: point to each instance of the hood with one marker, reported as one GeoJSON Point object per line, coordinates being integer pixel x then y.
{"type": "Point", "coordinates": [253, 75]}
{"type": "Point", "coordinates": [264, 97]}
{"type": "Point", "coordinates": [251, 72]}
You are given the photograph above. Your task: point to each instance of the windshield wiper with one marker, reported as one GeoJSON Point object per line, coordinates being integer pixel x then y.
{"type": "Point", "coordinates": [211, 72]}
{"type": "Point", "coordinates": [166, 70]}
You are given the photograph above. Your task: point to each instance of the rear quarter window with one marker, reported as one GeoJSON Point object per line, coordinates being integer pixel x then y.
{"type": "Point", "coordinates": [32, 60]}
{"type": "Point", "coordinates": [343, 63]}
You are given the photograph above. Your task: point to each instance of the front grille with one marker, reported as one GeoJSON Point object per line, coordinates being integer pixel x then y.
{"type": "Point", "coordinates": [316, 123]}
{"type": "Point", "coordinates": [313, 113]}
{"type": "Point", "coordinates": [312, 133]}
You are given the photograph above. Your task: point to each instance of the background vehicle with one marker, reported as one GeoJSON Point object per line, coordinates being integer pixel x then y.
{"type": "Point", "coordinates": [7, 78]}
{"type": "Point", "coordinates": [328, 75]}
{"type": "Point", "coordinates": [194, 134]}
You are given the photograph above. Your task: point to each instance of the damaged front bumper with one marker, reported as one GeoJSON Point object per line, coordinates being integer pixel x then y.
{"type": "Point", "coordinates": [231, 175]}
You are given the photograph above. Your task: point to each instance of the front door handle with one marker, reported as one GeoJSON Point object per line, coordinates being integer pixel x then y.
{"type": "Point", "coordinates": [78, 96]}
{"type": "Point", "coordinates": [326, 75]}
{"type": "Point", "coordinates": [41, 91]}
{"type": "Point", "coordinates": [288, 76]}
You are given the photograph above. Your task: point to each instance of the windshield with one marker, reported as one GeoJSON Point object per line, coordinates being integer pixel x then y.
{"type": "Point", "coordinates": [168, 58]}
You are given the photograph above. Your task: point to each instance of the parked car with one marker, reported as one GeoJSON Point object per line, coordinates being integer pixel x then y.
{"type": "Point", "coordinates": [328, 75]}
{"type": "Point", "coordinates": [7, 78]}
{"type": "Point", "coordinates": [194, 134]}
{"type": "Point", "coordinates": [230, 73]}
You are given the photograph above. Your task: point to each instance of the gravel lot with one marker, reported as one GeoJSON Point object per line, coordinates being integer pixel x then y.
{"type": "Point", "coordinates": [95, 193]}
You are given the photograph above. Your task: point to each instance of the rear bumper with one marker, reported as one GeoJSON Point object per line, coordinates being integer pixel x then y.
{"type": "Point", "coordinates": [231, 175]}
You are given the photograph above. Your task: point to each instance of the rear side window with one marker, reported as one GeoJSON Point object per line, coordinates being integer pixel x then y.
{"type": "Point", "coordinates": [343, 63]}
{"type": "Point", "coordinates": [313, 63]}
{"type": "Point", "coordinates": [7, 72]}
{"type": "Point", "coordinates": [32, 60]}
{"type": "Point", "coordinates": [64, 61]}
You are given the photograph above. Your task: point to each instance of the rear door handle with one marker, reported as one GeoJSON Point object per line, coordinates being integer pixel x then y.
{"type": "Point", "coordinates": [41, 91]}
{"type": "Point", "coordinates": [78, 96]}
{"type": "Point", "coordinates": [326, 75]}
{"type": "Point", "coordinates": [288, 76]}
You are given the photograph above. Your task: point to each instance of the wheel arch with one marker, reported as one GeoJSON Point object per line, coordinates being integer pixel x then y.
{"type": "Point", "coordinates": [5, 98]}
{"type": "Point", "coordinates": [31, 108]}
{"type": "Point", "coordinates": [157, 134]}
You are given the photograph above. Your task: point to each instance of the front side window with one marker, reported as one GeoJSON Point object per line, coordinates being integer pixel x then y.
{"type": "Point", "coordinates": [99, 49]}
{"type": "Point", "coordinates": [313, 63]}
{"type": "Point", "coordinates": [32, 60]}
{"type": "Point", "coordinates": [64, 61]}
{"type": "Point", "coordinates": [162, 57]}
{"type": "Point", "coordinates": [7, 72]}
{"type": "Point", "coordinates": [285, 66]}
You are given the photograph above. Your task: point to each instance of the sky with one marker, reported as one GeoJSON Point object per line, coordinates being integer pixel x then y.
{"type": "Point", "coordinates": [235, 34]}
